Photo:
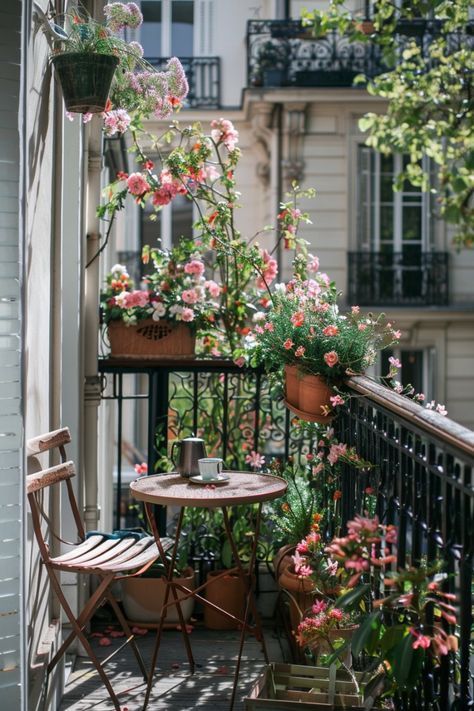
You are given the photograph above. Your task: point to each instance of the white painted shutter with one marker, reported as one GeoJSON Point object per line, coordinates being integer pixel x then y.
{"type": "Point", "coordinates": [11, 427]}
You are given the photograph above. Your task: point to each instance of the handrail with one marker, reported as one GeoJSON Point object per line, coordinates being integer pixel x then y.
{"type": "Point", "coordinates": [430, 421]}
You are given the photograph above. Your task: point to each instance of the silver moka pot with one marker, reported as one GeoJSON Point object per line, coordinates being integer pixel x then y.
{"type": "Point", "coordinates": [191, 449]}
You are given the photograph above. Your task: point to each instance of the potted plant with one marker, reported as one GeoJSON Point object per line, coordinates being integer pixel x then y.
{"type": "Point", "coordinates": [273, 60]}
{"type": "Point", "coordinates": [93, 59]}
{"type": "Point", "coordinates": [304, 332]}
{"type": "Point", "coordinates": [143, 596]}
{"type": "Point", "coordinates": [160, 319]}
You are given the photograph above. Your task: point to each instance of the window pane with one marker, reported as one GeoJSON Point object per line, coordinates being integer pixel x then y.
{"type": "Point", "coordinates": [182, 219]}
{"type": "Point", "coordinates": [150, 232]}
{"type": "Point", "coordinates": [150, 31]}
{"type": "Point", "coordinates": [412, 369]}
{"type": "Point", "coordinates": [386, 224]}
{"type": "Point", "coordinates": [182, 18]}
{"type": "Point", "coordinates": [411, 227]}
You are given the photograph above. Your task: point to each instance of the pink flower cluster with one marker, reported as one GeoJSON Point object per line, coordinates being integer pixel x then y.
{"type": "Point", "coordinates": [223, 131]}
{"type": "Point", "coordinates": [120, 15]}
{"type": "Point", "coordinates": [317, 627]}
{"type": "Point", "coordinates": [169, 188]}
{"type": "Point", "coordinates": [130, 299]}
{"type": "Point", "coordinates": [269, 270]}
{"type": "Point", "coordinates": [116, 122]}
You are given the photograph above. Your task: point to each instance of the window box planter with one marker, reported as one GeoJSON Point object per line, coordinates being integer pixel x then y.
{"type": "Point", "coordinates": [151, 339]}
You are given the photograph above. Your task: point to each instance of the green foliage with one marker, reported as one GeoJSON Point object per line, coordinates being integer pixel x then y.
{"type": "Point", "coordinates": [428, 91]}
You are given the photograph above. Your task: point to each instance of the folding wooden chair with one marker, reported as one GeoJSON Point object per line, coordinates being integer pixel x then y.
{"type": "Point", "coordinates": [110, 559]}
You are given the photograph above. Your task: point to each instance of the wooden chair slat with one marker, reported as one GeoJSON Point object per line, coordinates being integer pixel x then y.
{"type": "Point", "coordinates": [86, 557]}
{"type": "Point", "coordinates": [48, 477]}
{"type": "Point", "coordinates": [86, 545]}
{"type": "Point", "coordinates": [138, 548]}
{"type": "Point", "coordinates": [47, 441]}
{"type": "Point", "coordinates": [151, 553]}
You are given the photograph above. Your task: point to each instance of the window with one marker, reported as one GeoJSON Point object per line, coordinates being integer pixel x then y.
{"type": "Point", "coordinates": [168, 28]}
{"type": "Point", "coordinates": [395, 227]}
{"type": "Point", "coordinates": [169, 224]}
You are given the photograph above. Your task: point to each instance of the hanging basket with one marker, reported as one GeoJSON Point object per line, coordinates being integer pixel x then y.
{"type": "Point", "coordinates": [151, 339]}
{"type": "Point", "coordinates": [85, 80]}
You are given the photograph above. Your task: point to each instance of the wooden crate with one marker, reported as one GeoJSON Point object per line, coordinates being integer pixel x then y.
{"type": "Point", "coordinates": [292, 687]}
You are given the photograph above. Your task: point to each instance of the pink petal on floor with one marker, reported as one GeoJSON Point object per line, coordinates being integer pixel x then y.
{"type": "Point", "coordinates": [116, 633]}
{"type": "Point", "coordinates": [175, 665]}
{"type": "Point", "coordinates": [105, 642]}
{"type": "Point", "coordinates": [96, 634]}
{"type": "Point", "coordinates": [139, 630]}
{"type": "Point", "coordinates": [222, 670]}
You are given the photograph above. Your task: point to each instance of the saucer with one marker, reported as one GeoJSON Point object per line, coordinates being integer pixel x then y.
{"type": "Point", "coordinates": [219, 479]}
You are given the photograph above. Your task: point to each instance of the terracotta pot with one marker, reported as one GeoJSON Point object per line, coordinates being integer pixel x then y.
{"type": "Point", "coordinates": [292, 385]}
{"type": "Point", "coordinates": [300, 593]}
{"type": "Point", "coordinates": [227, 592]}
{"type": "Point", "coordinates": [314, 393]}
{"type": "Point", "coordinates": [282, 559]}
{"type": "Point", "coordinates": [367, 27]}
{"type": "Point", "coordinates": [151, 339]}
{"type": "Point", "coordinates": [142, 599]}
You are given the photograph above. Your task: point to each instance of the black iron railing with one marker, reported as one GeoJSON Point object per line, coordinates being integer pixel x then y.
{"type": "Point", "coordinates": [284, 52]}
{"type": "Point", "coordinates": [204, 78]}
{"type": "Point", "coordinates": [425, 470]}
{"type": "Point", "coordinates": [407, 278]}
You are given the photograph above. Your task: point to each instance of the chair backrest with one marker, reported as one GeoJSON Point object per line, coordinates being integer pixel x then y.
{"type": "Point", "coordinates": [41, 479]}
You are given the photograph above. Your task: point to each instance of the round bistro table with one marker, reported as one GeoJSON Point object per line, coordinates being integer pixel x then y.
{"type": "Point", "coordinates": [174, 490]}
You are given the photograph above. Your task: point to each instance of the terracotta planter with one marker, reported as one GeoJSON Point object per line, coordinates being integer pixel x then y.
{"type": "Point", "coordinates": [292, 385]}
{"type": "Point", "coordinates": [227, 592]}
{"type": "Point", "coordinates": [314, 394]}
{"type": "Point", "coordinates": [300, 593]}
{"type": "Point", "coordinates": [282, 559]}
{"type": "Point", "coordinates": [142, 599]}
{"type": "Point", "coordinates": [151, 339]}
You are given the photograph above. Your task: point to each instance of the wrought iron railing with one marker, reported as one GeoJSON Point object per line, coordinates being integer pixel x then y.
{"type": "Point", "coordinates": [407, 278]}
{"type": "Point", "coordinates": [423, 479]}
{"type": "Point", "coordinates": [425, 470]}
{"type": "Point", "coordinates": [204, 78]}
{"type": "Point", "coordinates": [284, 52]}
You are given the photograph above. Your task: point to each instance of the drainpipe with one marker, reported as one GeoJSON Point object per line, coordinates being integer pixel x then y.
{"type": "Point", "coordinates": [93, 167]}
{"type": "Point", "coordinates": [279, 178]}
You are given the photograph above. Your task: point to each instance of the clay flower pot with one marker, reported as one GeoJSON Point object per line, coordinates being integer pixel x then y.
{"type": "Point", "coordinates": [314, 394]}
{"type": "Point", "coordinates": [300, 593]}
{"type": "Point", "coordinates": [143, 597]}
{"type": "Point", "coordinates": [292, 385]}
{"type": "Point", "coordinates": [282, 559]}
{"type": "Point", "coordinates": [227, 592]}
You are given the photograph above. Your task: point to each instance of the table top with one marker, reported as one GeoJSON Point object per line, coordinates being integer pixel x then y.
{"type": "Point", "coordinates": [242, 488]}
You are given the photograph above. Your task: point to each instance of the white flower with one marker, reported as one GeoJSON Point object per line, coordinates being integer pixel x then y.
{"type": "Point", "coordinates": [280, 288]}
{"type": "Point", "coordinates": [258, 316]}
{"type": "Point", "coordinates": [176, 310]}
{"type": "Point", "coordinates": [119, 269]}
{"type": "Point", "coordinates": [159, 310]}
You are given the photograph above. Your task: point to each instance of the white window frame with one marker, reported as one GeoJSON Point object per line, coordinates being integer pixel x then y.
{"type": "Point", "coordinates": [166, 27]}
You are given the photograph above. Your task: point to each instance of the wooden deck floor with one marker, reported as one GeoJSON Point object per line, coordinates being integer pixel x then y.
{"type": "Point", "coordinates": [175, 689]}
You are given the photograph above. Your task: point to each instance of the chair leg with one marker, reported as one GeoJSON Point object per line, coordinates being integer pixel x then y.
{"type": "Point", "coordinates": [93, 602]}
{"type": "Point", "coordinates": [130, 637]}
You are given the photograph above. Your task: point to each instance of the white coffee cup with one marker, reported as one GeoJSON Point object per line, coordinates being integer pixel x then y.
{"type": "Point", "coordinates": [210, 467]}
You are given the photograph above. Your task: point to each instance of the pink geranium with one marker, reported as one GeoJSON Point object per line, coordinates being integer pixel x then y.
{"type": "Point", "coordinates": [331, 358]}
{"type": "Point", "coordinates": [330, 331]}
{"type": "Point", "coordinates": [288, 344]}
{"type": "Point", "coordinates": [297, 319]}
{"type": "Point", "coordinates": [213, 287]}
{"type": "Point", "coordinates": [187, 314]}
{"type": "Point", "coordinates": [190, 296]}
{"type": "Point", "coordinates": [255, 459]}
{"type": "Point", "coordinates": [137, 184]}
{"type": "Point", "coordinates": [223, 131]}
{"type": "Point", "coordinates": [269, 270]}
{"type": "Point", "coordinates": [195, 266]}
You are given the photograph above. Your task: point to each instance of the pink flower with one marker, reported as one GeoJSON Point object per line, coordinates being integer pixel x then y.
{"type": "Point", "coordinates": [136, 184]}
{"type": "Point", "coordinates": [336, 451]}
{"type": "Point", "coordinates": [318, 607]}
{"type": "Point", "coordinates": [195, 266]}
{"type": "Point", "coordinates": [394, 362]}
{"type": "Point", "coordinates": [297, 319]}
{"type": "Point", "coordinates": [355, 309]}
{"type": "Point", "coordinates": [190, 296]}
{"type": "Point", "coordinates": [318, 468]}
{"type": "Point", "coordinates": [240, 361]}
{"type": "Point", "coordinates": [223, 131]}
{"type": "Point", "coordinates": [397, 335]}
{"type": "Point", "coordinates": [330, 331]}
{"type": "Point", "coordinates": [331, 358]}
{"type": "Point", "coordinates": [362, 326]}
{"type": "Point", "coordinates": [269, 327]}
{"type": "Point", "coordinates": [441, 409]}
{"type": "Point", "coordinates": [299, 353]}
{"type": "Point", "coordinates": [116, 122]}
{"type": "Point", "coordinates": [187, 314]}
{"type": "Point", "coordinates": [269, 270]}
{"type": "Point", "coordinates": [141, 468]}
{"type": "Point", "coordinates": [305, 571]}
{"type": "Point", "coordinates": [255, 460]}
{"type": "Point", "coordinates": [130, 299]}
{"type": "Point", "coordinates": [313, 263]}
{"type": "Point", "coordinates": [213, 288]}
{"type": "Point", "coordinates": [336, 614]}
{"type": "Point", "coordinates": [288, 344]}
{"type": "Point", "coordinates": [421, 640]}
{"type": "Point", "coordinates": [336, 400]}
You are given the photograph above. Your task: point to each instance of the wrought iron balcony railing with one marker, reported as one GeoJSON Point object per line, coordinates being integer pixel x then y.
{"type": "Point", "coordinates": [422, 481]}
{"type": "Point", "coordinates": [284, 53]}
{"type": "Point", "coordinates": [204, 78]}
{"type": "Point", "coordinates": [410, 278]}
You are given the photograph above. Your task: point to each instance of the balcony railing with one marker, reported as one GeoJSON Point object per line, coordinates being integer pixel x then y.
{"type": "Point", "coordinates": [204, 78]}
{"type": "Point", "coordinates": [284, 53]}
{"type": "Point", "coordinates": [423, 481]}
{"type": "Point", "coordinates": [410, 278]}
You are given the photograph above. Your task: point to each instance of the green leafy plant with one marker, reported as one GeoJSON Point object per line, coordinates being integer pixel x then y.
{"type": "Point", "coordinates": [427, 88]}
